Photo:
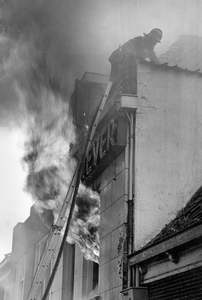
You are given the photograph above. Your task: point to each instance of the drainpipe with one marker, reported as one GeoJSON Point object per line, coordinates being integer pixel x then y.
{"type": "Point", "coordinates": [130, 220]}
{"type": "Point", "coordinates": [131, 172]}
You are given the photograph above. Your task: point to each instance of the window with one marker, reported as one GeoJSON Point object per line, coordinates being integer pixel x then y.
{"type": "Point", "coordinates": [95, 274]}
{"type": "Point", "coordinates": [20, 278]}
{"type": "Point", "coordinates": [92, 277]}
{"type": "Point", "coordinates": [38, 253]}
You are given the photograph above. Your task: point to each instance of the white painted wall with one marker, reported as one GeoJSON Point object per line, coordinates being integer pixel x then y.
{"type": "Point", "coordinates": [168, 154]}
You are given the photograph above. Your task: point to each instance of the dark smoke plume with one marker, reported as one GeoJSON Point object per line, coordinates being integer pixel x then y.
{"type": "Point", "coordinates": [38, 38]}
{"type": "Point", "coordinates": [38, 61]}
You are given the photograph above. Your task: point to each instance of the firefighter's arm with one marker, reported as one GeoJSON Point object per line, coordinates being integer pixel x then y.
{"type": "Point", "coordinates": [152, 57]}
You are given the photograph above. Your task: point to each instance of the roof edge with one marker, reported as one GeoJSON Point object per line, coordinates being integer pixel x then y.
{"type": "Point", "coordinates": [166, 66]}
{"type": "Point", "coordinates": [179, 239]}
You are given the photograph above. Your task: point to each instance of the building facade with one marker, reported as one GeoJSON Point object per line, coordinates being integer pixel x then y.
{"type": "Point", "coordinates": [29, 240]}
{"type": "Point", "coordinates": [145, 162]}
{"type": "Point", "coordinates": [145, 185]}
{"type": "Point", "coordinates": [5, 271]}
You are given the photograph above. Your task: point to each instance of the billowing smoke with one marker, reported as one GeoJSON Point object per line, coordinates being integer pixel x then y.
{"type": "Point", "coordinates": [37, 63]}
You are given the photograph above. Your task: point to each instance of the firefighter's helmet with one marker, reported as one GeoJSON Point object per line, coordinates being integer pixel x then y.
{"type": "Point", "coordinates": [156, 33]}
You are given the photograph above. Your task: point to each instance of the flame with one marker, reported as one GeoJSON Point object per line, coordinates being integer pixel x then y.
{"type": "Point", "coordinates": [47, 122]}
{"type": "Point", "coordinates": [85, 224]}
{"type": "Point", "coordinates": [50, 166]}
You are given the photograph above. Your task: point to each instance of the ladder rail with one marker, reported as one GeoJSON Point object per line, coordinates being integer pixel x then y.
{"type": "Point", "coordinates": [54, 239]}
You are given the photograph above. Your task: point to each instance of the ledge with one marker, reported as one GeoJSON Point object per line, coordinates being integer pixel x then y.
{"type": "Point", "coordinates": [176, 241]}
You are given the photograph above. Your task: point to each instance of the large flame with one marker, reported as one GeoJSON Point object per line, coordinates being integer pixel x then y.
{"type": "Point", "coordinates": [37, 75]}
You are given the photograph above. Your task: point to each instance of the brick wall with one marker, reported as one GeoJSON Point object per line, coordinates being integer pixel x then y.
{"type": "Point", "coordinates": [187, 285]}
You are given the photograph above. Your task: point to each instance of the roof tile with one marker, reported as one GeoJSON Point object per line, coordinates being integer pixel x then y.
{"type": "Point", "coordinates": [189, 216]}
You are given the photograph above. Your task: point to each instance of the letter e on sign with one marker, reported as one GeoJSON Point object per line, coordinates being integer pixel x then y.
{"type": "Point", "coordinates": [103, 140]}
{"type": "Point", "coordinates": [110, 134]}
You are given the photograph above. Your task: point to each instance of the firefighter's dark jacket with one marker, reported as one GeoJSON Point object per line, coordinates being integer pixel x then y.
{"type": "Point", "coordinates": [134, 48]}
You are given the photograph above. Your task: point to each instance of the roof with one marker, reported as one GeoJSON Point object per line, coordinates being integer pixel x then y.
{"type": "Point", "coordinates": [189, 216]}
{"type": "Point", "coordinates": [185, 54]}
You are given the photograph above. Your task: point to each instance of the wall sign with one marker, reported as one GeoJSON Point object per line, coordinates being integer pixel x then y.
{"type": "Point", "coordinates": [105, 148]}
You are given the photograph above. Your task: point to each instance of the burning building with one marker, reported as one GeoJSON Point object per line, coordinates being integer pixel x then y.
{"type": "Point", "coordinates": [143, 168]}
{"type": "Point", "coordinates": [126, 239]}
{"type": "Point", "coordinates": [145, 162]}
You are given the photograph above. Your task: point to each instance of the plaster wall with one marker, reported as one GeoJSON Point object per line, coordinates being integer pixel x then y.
{"type": "Point", "coordinates": [168, 152]}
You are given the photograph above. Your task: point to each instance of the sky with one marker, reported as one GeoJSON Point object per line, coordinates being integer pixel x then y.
{"type": "Point", "coordinates": [15, 203]}
{"type": "Point", "coordinates": [83, 34]}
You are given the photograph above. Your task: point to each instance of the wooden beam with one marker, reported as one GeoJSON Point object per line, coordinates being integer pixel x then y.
{"type": "Point", "coordinates": [173, 242]}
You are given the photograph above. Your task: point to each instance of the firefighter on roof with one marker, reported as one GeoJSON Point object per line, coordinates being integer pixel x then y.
{"type": "Point", "coordinates": [140, 47]}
